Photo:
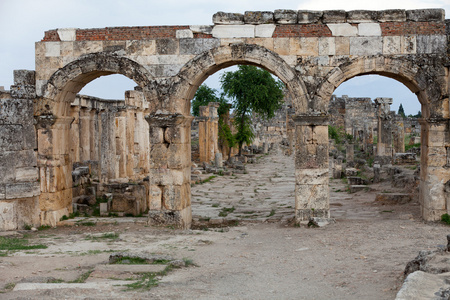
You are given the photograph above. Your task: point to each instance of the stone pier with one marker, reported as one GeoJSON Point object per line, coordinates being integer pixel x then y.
{"type": "Point", "coordinates": [384, 143]}
{"type": "Point", "coordinates": [311, 167]}
{"type": "Point", "coordinates": [208, 132]}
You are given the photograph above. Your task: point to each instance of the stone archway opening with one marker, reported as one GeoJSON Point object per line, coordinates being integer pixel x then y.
{"type": "Point", "coordinates": [248, 187]}
{"type": "Point", "coordinates": [399, 140]}
{"type": "Point", "coordinates": [93, 150]}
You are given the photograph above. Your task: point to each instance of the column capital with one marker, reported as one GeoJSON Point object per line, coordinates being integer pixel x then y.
{"type": "Point", "coordinates": [311, 119]}
{"type": "Point", "coordinates": [159, 119]}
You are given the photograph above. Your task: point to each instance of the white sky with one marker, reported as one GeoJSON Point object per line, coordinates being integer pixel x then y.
{"type": "Point", "coordinates": [23, 22]}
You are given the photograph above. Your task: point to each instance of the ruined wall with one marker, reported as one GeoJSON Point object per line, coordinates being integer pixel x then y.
{"type": "Point", "coordinates": [19, 175]}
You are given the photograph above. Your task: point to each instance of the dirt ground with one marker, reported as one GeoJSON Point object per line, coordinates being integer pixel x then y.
{"type": "Point", "coordinates": [361, 256]}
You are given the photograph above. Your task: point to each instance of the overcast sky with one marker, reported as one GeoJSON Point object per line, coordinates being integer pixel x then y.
{"type": "Point", "coordinates": [23, 22]}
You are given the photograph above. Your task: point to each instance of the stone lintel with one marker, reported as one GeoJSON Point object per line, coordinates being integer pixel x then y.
{"type": "Point", "coordinates": [383, 100]}
{"type": "Point", "coordinates": [311, 120]}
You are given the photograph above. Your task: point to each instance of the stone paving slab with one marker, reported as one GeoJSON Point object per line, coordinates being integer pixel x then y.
{"type": "Point", "coordinates": [104, 285]}
{"type": "Point", "coordinates": [119, 268]}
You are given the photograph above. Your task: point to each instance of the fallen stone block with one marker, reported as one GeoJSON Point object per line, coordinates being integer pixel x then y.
{"type": "Point", "coordinates": [392, 199]}
{"type": "Point", "coordinates": [351, 172]}
{"type": "Point", "coordinates": [357, 188]}
{"type": "Point", "coordinates": [421, 285]}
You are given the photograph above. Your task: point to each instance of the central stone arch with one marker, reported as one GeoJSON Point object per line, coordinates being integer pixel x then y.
{"type": "Point", "coordinates": [53, 124]}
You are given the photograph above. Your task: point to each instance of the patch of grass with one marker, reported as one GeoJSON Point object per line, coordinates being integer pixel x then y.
{"type": "Point", "coordinates": [446, 219]}
{"type": "Point", "coordinates": [108, 235]}
{"type": "Point", "coordinates": [82, 278]}
{"type": "Point", "coordinates": [16, 244]}
{"type": "Point", "coordinates": [131, 261]}
{"type": "Point", "coordinates": [188, 262]}
{"type": "Point", "coordinates": [145, 282]}
{"type": "Point", "coordinates": [8, 287]}
{"type": "Point", "coordinates": [27, 226]}
{"type": "Point", "coordinates": [225, 211]}
{"type": "Point", "coordinates": [215, 205]}
{"type": "Point", "coordinates": [208, 179]}
{"type": "Point", "coordinates": [387, 211]}
{"type": "Point", "coordinates": [44, 227]}
{"type": "Point", "coordinates": [408, 147]}
{"type": "Point", "coordinates": [88, 223]}
{"type": "Point", "coordinates": [3, 254]}
{"type": "Point", "coordinates": [249, 212]}
{"type": "Point", "coordinates": [272, 212]}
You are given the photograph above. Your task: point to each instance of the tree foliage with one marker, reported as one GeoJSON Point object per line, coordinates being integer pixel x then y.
{"type": "Point", "coordinates": [401, 111]}
{"type": "Point", "coordinates": [252, 90]}
{"type": "Point", "coordinates": [202, 97]}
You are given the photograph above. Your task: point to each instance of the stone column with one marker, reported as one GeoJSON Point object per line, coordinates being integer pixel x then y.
{"type": "Point", "coordinates": [170, 169]}
{"type": "Point", "coordinates": [434, 168]}
{"type": "Point", "coordinates": [75, 133]}
{"type": "Point", "coordinates": [121, 142]}
{"type": "Point", "coordinates": [95, 136]}
{"type": "Point", "coordinates": [107, 146]}
{"type": "Point", "coordinates": [311, 167]}
{"type": "Point", "coordinates": [208, 132]}
{"type": "Point", "coordinates": [55, 168]}
{"type": "Point", "coordinates": [85, 134]}
{"type": "Point", "coordinates": [384, 144]}
{"type": "Point", "coordinates": [398, 132]}
{"type": "Point", "coordinates": [350, 152]}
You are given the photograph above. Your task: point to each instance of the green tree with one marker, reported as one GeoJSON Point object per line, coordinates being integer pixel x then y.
{"type": "Point", "coordinates": [252, 90]}
{"type": "Point", "coordinates": [202, 97]}
{"type": "Point", "coordinates": [401, 111]}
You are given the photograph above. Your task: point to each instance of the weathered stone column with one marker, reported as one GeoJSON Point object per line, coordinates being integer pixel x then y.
{"type": "Point", "coordinates": [311, 167]}
{"type": "Point", "coordinates": [435, 168]}
{"type": "Point", "coordinates": [95, 135]}
{"type": "Point", "coordinates": [121, 142]}
{"type": "Point", "coordinates": [75, 133]}
{"type": "Point", "coordinates": [208, 131]}
{"type": "Point", "coordinates": [85, 134]}
{"type": "Point", "coordinates": [107, 146]}
{"type": "Point", "coordinates": [398, 132]}
{"type": "Point", "coordinates": [384, 144]}
{"type": "Point", "coordinates": [55, 168]}
{"type": "Point", "coordinates": [170, 169]}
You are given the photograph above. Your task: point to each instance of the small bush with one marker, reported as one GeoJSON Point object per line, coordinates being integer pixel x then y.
{"type": "Point", "coordinates": [446, 219]}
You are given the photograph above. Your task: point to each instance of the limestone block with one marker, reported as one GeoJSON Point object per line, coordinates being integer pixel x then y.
{"type": "Point", "coordinates": [184, 34]}
{"type": "Point", "coordinates": [29, 137]}
{"type": "Point", "coordinates": [285, 16]}
{"type": "Point", "coordinates": [197, 46]}
{"type": "Point", "coordinates": [282, 46]}
{"type": "Point", "coordinates": [425, 15]}
{"type": "Point", "coordinates": [23, 91]}
{"type": "Point", "coordinates": [233, 31]}
{"type": "Point", "coordinates": [141, 48]}
{"type": "Point", "coordinates": [11, 137]}
{"type": "Point", "coordinates": [15, 111]}
{"type": "Point", "coordinates": [163, 176]}
{"type": "Point", "coordinates": [342, 46]}
{"type": "Point", "coordinates": [177, 135]}
{"type": "Point", "coordinates": [334, 16]}
{"type": "Point", "coordinates": [27, 174]}
{"type": "Point", "coordinates": [86, 47]}
{"type": "Point", "coordinates": [369, 29]}
{"type": "Point", "coordinates": [263, 42]}
{"type": "Point", "coordinates": [362, 16]}
{"type": "Point", "coordinates": [24, 77]}
{"type": "Point", "coordinates": [22, 190]}
{"type": "Point", "coordinates": [311, 176]}
{"type": "Point", "coordinates": [8, 160]}
{"type": "Point", "coordinates": [327, 46]}
{"type": "Point", "coordinates": [172, 197]}
{"type": "Point", "coordinates": [312, 196]}
{"type": "Point", "coordinates": [67, 50]}
{"type": "Point", "coordinates": [155, 197]}
{"type": "Point", "coordinates": [344, 29]}
{"type": "Point", "coordinates": [167, 46]}
{"type": "Point", "coordinates": [308, 16]}
{"type": "Point", "coordinates": [52, 49]}
{"type": "Point", "coordinates": [392, 45]}
{"type": "Point", "coordinates": [67, 34]}
{"type": "Point", "coordinates": [264, 30]}
{"type": "Point", "coordinates": [2, 192]}
{"type": "Point", "coordinates": [427, 44]}
{"type": "Point", "coordinates": [392, 15]}
{"type": "Point", "coordinates": [366, 45]}
{"type": "Point", "coordinates": [223, 18]}
{"type": "Point", "coordinates": [206, 29]}
{"type": "Point", "coordinates": [8, 215]}
{"type": "Point", "coordinates": [302, 46]}
{"type": "Point", "coordinates": [55, 201]}
{"type": "Point", "coordinates": [258, 17]}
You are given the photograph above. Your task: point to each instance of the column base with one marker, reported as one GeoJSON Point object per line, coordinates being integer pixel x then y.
{"type": "Point", "coordinates": [181, 219]}
{"type": "Point", "coordinates": [309, 213]}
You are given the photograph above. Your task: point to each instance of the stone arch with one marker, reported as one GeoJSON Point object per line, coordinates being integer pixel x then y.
{"type": "Point", "coordinates": [420, 79]}
{"type": "Point", "coordinates": [207, 63]}
{"type": "Point", "coordinates": [54, 122]}
{"type": "Point", "coordinates": [67, 81]}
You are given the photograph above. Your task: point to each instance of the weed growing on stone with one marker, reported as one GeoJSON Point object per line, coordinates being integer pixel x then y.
{"type": "Point", "coordinates": [446, 219]}
{"type": "Point", "coordinates": [82, 278]}
{"type": "Point", "coordinates": [88, 223]}
{"type": "Point", "coordinates": [105, 236]}
{"type": "Point", "coordinates": [8, 287]}
{"type": "Point", "coordinates": [272, 212]}
{"type": "Point", "coordinates": [44, 227]}
{"type": "Point", "coordinates": [215, 205]}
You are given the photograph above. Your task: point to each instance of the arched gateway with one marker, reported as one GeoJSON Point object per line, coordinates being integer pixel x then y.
{"type": "Point", "coordinates": [311, 52]}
